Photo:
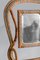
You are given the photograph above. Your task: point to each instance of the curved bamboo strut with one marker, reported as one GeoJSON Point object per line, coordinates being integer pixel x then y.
{"type": "Point", "coordinates": [9, 54]}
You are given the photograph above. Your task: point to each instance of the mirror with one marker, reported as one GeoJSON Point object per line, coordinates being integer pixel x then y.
{"type": "Point", "coordinates": [29, 27]}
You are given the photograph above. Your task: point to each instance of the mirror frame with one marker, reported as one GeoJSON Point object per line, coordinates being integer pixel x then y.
{"type": "Point", "coordinates": [33, 59]}
{"type": "Point", "coordinates": [21, 44]}
{"type": "Point", "coordinates": [8, 8]}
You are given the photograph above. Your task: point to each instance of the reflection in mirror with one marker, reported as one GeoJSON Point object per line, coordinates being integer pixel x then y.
{"type": "Point", "coordinates": [30, 28]}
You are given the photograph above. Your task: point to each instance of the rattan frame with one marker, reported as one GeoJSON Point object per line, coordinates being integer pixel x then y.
{"type": "Point", "coordinates": [21, 44]}
{"type": "Point", "coordinates": [33, 59]}
{"type": "Point", "coordinates": [8, 9]}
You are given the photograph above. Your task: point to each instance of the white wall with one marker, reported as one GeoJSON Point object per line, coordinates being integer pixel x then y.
{"type": "Point", "coordinates": [4, 41]}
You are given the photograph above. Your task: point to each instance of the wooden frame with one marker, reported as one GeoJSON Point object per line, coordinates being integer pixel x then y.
{"type": "Point", "coordinates": [21, 44]}
{"type": "Point", "coordinates": [33, 59]}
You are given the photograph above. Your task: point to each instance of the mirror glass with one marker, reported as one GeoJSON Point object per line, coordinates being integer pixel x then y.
{"type": "Point", "coordinates": [30, 28]}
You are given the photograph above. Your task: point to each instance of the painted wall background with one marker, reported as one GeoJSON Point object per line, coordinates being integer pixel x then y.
{"type": "Point", "coordinates": [4, 41]}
